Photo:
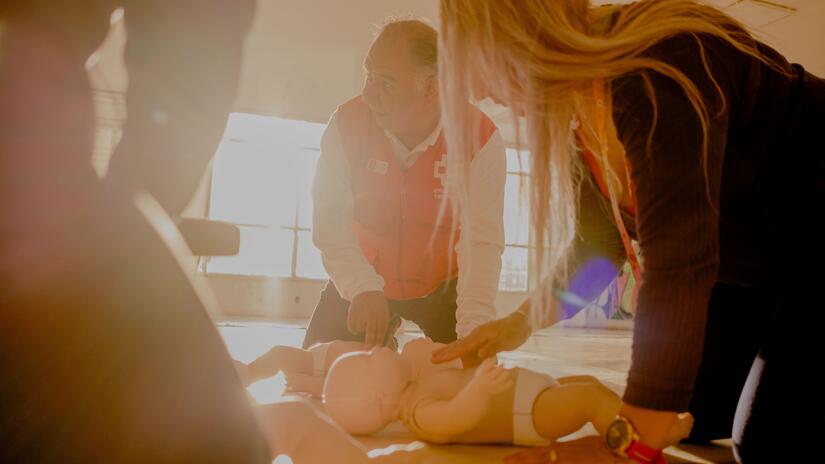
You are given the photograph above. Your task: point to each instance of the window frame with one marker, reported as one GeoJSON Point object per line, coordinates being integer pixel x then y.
{"type": "Point", "coordinates": [523, 174]}
{"type": "Point", "coordinates": [296, 229]}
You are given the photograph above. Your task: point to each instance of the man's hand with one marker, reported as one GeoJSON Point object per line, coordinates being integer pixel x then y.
{"type": "Point", "coordinates": [369, 314]}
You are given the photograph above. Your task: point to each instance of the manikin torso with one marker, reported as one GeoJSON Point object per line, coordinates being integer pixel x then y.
{"type": "Point", "coordinates": [495, 427]}
{"type": "Point", "coordinates": [419, 354]}
{"type": "Point", "coordinates": [417, 382]}
{"type": "Point", "coordinates": [337, 348]}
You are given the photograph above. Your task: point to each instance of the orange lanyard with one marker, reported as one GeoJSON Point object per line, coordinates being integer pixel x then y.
{"type": "Point", "coordinates": [601, 132]}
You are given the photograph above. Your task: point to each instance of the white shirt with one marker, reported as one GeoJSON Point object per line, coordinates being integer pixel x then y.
{"type": "Point", "coordinates": [343, 259]}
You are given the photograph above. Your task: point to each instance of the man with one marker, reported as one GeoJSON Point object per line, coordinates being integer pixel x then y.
{"type": "Point", "coordinates": [378, 195]}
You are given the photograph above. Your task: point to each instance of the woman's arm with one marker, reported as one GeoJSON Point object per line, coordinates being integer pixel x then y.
{"type": "Point", "coordinates": [504, 334]}
{"type": "Point", "coordinates": [597, 256]}
{"type": "Point", "coordinates": [595, 260]}
{"type": "Point", "coordinates": [678, 203]}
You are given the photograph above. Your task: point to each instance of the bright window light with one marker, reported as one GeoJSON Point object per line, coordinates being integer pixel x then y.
{"type": "Point", "coordinates": [262, 179]}
{"type": "Point", "coordinates": [514, 260]}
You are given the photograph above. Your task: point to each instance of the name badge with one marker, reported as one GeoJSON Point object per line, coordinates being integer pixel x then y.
{"type": "Point", "coordinates": [377, 166]}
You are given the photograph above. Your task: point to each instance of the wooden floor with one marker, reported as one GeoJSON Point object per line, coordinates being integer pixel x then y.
{"type": "Point", "coordinates": [558, 351]}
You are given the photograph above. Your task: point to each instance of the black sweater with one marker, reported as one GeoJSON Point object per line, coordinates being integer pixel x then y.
{"type": "Point", "coordinates": [698, 225]}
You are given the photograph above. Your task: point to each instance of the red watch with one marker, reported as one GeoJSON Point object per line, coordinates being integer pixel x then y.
{"type": "Point", "coordinates": [621, 439]}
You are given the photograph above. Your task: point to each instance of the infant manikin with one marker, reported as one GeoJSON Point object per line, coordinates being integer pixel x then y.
{"type": "Point", "coordinates": [365, 391]}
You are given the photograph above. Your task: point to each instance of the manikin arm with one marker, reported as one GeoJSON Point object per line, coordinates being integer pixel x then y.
{"type": "Point", "coordinates": [441, 420]}
{"type": "Point", "coordinates": [279, 358]}
{"type": "Point", "coordinates": [312, 384]}
{"type": "Point", "coordinates": [298, 365]}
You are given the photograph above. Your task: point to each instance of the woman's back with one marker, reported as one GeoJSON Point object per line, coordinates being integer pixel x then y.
{"type": "Point", "coordinates": [764, 144]}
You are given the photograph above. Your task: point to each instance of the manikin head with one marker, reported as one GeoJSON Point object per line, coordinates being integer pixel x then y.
{"type": "Point", "coordinates": [363, 389]}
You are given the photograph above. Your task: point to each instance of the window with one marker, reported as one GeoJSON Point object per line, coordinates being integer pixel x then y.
{"type": "Point", "coordinates": [261, 181]}
{"type": "Point", "coordinates": [514, 261]}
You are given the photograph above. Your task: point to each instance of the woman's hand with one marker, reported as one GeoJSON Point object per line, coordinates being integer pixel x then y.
{"type": "Point", "coordinates": [486, 340]}
{"type": "Point", "coordinates": [587, 450]}
{"type": "Point", "coordinates": [657, 429]}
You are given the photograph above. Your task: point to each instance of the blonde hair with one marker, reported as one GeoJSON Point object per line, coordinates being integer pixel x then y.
{"type": "Point", "coordinates": [543, 56]}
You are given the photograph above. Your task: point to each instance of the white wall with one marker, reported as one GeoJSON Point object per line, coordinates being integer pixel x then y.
{"type": "Point", "coordinates": [304, 58]}
{"type": "Point", "coordinates": [801, 36]}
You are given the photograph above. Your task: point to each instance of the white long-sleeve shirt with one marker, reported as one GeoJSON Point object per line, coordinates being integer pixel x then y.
{"type": "Point", "coordinates": [346, 264]}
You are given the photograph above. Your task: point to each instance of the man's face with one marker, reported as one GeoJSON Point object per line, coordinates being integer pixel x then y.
{"type": "Point", "coordinates": [393, 89]}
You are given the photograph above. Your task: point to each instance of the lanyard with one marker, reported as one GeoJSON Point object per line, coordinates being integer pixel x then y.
{"type": "Point", "coordinates": [601, 132]}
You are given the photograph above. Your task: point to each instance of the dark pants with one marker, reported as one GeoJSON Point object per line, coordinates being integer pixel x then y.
{"type": "Point", "coordinates": [434, 314]}
{"type": "Point", "coordinates": [736, 320]}
{"type": "Point", "coordinates": [761, 377]}
{"type": "Point", "coordinates": [760, 380]}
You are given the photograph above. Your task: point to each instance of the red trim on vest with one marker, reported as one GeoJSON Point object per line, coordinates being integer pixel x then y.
{"type": "Point", "coordinates": [396, 211]}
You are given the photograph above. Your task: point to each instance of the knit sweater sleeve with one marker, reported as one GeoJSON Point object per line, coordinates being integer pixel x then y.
{"type": "Point", "coordinates": [677, 194]}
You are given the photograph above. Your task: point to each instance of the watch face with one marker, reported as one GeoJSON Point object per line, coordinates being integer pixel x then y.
{"type": "Point", "coordinates": [618, 435]}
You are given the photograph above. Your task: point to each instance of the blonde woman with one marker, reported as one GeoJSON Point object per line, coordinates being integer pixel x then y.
{"type": "Point", "coordinates": [663, 122]}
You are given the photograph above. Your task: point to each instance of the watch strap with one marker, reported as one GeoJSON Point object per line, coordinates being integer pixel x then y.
{"type": "Point", "coordinates": [644, 454]}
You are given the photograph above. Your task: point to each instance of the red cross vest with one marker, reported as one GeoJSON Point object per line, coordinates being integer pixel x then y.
{"type": "Point", "coordinates": [396, 211]}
